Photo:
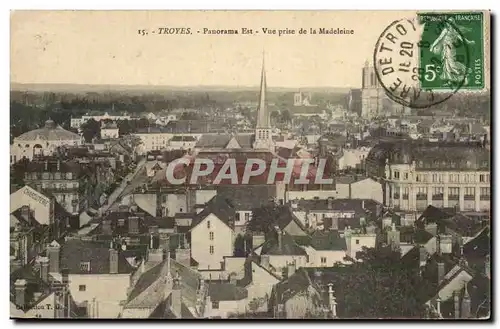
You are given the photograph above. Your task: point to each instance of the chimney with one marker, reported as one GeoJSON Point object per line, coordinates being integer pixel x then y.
{"type": "Point", "coordinates": [330, 203]}
{"type": "Point", "coordinates": [290, 268]}
{"type": "Point", "coordinates": [264, 261]}
{"type": "Point", "coordinates": [466, 304]}
{"type": "Point", "coordinates": [156, 255]}
{"type": "Point", "coordinates": [446, 243]}
{"type": "Point", "coordinates": [331, 299]}
{"type": "Point", "coordinates": [46, 165]}
{"type": "Point", "coordinates": [440, 270]}
{"type": "Point", "coordinates": [44, 268]}
{"type": "Point", "coordinates": [183, 256]}
{"type": "Point", "coordinates": [113, 261]}
{"type": "Point", "coordinates": [20, 287]}
{"type": "Point", "coordinates": [25, 211]}
{"type": "Point", "coordinates": [363, 204]}
{"type": "Point", "coordinates": [456, 300]}
{"type": "Point", "coordinates": [106, 227]}
{"type": "Point", "coordinates": [280, 239]}
{"type": "Point", "coordinates": [394, 238]}
{"type": "Point", "coordinates": [53, 251]}
{"type": "Point", "coordinates": [423, 256]}
{"type": "Point", "coordinates": [438, 305]}
{"type": "Point", "coordinates": [176, 297]}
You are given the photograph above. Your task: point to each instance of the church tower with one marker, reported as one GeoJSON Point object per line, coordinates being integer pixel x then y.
{"type": "Point", "coordinates": [263, 137]}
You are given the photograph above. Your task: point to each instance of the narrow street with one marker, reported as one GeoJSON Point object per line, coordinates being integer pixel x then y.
{"type": "Point", "coordinates": [119, 190]}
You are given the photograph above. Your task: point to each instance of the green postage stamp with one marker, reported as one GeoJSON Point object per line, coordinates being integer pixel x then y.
{"type": "Point", "coordinates": [452, 51]}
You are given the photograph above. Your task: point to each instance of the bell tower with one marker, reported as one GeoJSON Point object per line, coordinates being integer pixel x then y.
{"type": "Point", "coordinates": [263, 137]}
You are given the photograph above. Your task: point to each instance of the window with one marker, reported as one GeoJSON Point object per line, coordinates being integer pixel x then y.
{"type": "Point", "coordinates": [82, 287]}
{"type": "Point", "coordinates": [215, 305]}
{"type": "Point", "coordinates": [85, 266]}
{"type": "Point", "coordinates": [247, 217]}
{"type": "Point", "coordinates": [422, 193]}
{"type": "Point", "coordinates": [323, 260]}
{"type": "Point", "coordinates": [211, 235]}
{"type": "Point", "coordinates": [211, 250]}
{"type": "Point", "coordinates": [482, 178]}
{"type": "Point", "coordinates": [406, 175]}
{"type": "Point", "coordinates": [405, 193]}
{"type": "Point", "coordinates": [484, 193]}
{"type": "Point", "coordinates": [357, 241]}
{"type": "Point", "coordinates": [396, 174]}
{"type": "Point", "coordinates": [208, 224]}
{"type": "Point", "coordinates": [454, 178]}
{"type": "Point", "coordinates": [437, 194]}
{"type": "Point", "coordinates": [453, 193]}
{"type": "Point", "coordinates": [434, 178]}
{"type": "Point", "coordinates": [470, 193]}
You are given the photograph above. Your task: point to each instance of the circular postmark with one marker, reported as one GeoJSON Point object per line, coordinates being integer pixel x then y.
{"type": "Point", "coordinates": [421, 62]}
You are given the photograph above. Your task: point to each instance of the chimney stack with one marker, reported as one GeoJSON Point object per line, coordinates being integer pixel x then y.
{"type": "Point", "coordinates": [456, 300]}
{"type": "Point", "coordinates": [25, 211]}
{"type": "Point", "coordinates": [438, 305]}
{"type": "Point", "coordinates": [333, 303]}
{"type": "Point", "coordinates": [440, 269]}
{"type": "Point", "coordinates": [44, 268]}
{"type": "Point", "coordinates": [280, 239]}
{"type": "Point", "coordinates": [330, 203]}
{"type": "Point", "coordinates": [20, 287]}
{"type": "Point", "coordinates": [176, 297]}
{"type": "Point", "coordinates": [113, 261]}
{"type": "Point", "coordinates": [291, 267]}
{"type": "Point", "coordinates": [53, 251]}
{"type": "Point", "coordinates": [466, 304]}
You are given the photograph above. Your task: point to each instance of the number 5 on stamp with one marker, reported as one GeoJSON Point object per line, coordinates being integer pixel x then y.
{"type": "Point", "coordinates": [452, 51]}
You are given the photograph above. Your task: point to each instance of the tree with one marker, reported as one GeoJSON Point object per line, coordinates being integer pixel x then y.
{"type": "Point", "coordinates": [286, 116]}
{"type": "Point", "coordinates": [378, 285]}
{"type": "Point", "coordinates": [264, 218]}
{"type": "Point", "coordinates": [242, 245]}
{"type": "Point", "coordinates": [91, 129]}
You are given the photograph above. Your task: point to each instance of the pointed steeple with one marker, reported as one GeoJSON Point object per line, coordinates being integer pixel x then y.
{"type": "Point", "coordinates": [263, 120]}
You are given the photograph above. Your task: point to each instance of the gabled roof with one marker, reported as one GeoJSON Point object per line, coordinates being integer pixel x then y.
{"type": "Point", "coordinates": [218, 206]}
{"type": "Point", "coordinates": [75, 251]}
{"type": "Point", "coordinates": [329, 240]}
{"type": "Point", "coordinates": [288, 246]}
{"type": "Point", "coordinates": [248, 271]}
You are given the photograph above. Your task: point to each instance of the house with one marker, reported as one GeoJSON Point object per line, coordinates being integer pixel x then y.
{"type": "Point", "coordinates": [352, 158]}
{"type": "Point", "coordinates": [225, 299]}
{"type": "Point", "coordinates": [34, 293]}
{"type": "Point", "coordinates": [302, 295]}
{"type": "Point", "coordinates": [181, 142]}
{"type": "Point", "coordinates": [165, 288]}
{"type": "Point", "coordinates": [324, 248]}
{"type": "Point", "coordinates": [280, 254]}
{"type": "Point", "coordinates": [258, 281]}
{"type": "Point", "coordinates": [98, 274]}
{"type": "Point", "coordinates": [244, 199]}
{"type": "Point", "coordinates": [109, 130]}
{"type": "Point", "coordinates": [358, 187]}
{"type": "Point", "coordinates": [212, 233]}
{"type": "Point", "coordinates": [153, 167]}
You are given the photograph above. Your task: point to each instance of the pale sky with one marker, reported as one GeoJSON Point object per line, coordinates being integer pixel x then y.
{"type": "Point", "coordinates": [104, 48]}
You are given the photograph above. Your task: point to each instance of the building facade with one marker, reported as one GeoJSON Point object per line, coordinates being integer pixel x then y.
{"type": "Point", "coordinates": [417, 174]}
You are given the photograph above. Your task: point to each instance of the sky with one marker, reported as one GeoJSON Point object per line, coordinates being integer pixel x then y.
{"type": "Point", "coordinates": [104, 47]}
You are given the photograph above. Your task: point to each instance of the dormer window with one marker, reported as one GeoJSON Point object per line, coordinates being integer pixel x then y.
{"type": "Point", "coordinates": [85, 266]}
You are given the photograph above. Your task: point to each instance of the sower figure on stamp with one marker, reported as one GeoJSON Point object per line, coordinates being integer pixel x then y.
{"type": "Point", "coordinates": [452, 70]}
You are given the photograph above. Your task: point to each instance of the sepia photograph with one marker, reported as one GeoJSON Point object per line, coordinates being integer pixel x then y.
{"type": "Point", "coordinates": [254, 165]}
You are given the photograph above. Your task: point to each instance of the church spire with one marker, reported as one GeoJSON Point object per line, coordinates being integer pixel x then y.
{"type": "Point", "coordinates": [263, 120]}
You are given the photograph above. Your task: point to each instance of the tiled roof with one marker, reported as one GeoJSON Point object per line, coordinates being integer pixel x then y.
{"type": "Point", "coordinates": [183, 138]}
{"type": "Point", "coordinates": [75, 251]}
{"type": "Point", "coordinates": [218, 206]}
{"type": "Point", "coordinates": [329, 240]}
{"type": "Point", "coordinates": [245, 141]}
{"type": "Point", "coordinates": [288, 246]}
{"type": "Point", "coordinates": [247, 197]}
